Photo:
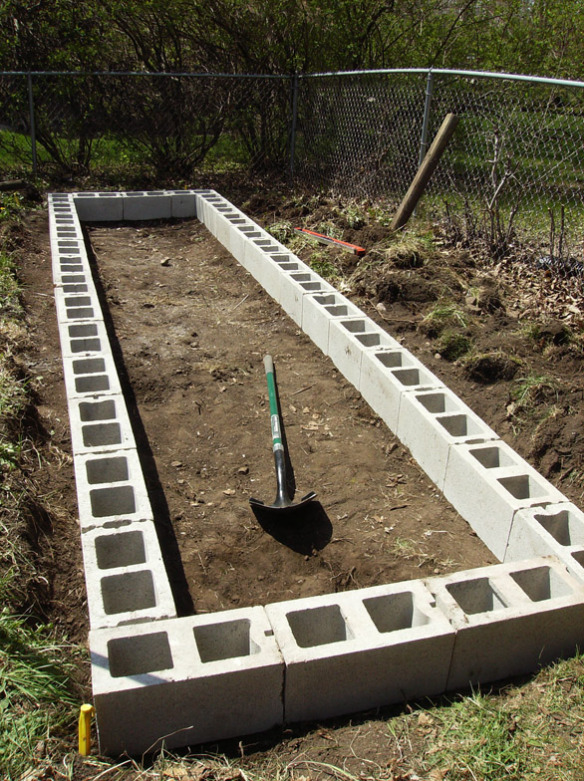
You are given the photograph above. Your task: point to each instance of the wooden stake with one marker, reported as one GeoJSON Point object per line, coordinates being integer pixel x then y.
{"type": "Point", "coordinates": [425, 171]}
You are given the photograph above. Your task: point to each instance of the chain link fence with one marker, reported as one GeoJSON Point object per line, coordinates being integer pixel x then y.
{"type": "Point", "coordinates": [512, 176]}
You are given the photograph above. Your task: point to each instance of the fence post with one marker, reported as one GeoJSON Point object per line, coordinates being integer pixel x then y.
{"type": "Point", "coordinates": [293, 125]}
{"type": "Point", "coordinates": [32, 126]}
{"type": "Point", "coordinates": [426, 120]}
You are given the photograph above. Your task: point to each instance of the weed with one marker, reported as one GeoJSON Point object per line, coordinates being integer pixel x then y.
{"type": "Point", "coordinates": [323, 266]}
{"type": "Point", "coordinates": [355, 216]}
{"type": "Point", "coordinates": [533, 390]}
{"type": "Point", "coordinates": [452, 345]}
{"type": "Point", "coordinates": [444, 315]}
{"type": "Point", "coordinates": [282, 231]}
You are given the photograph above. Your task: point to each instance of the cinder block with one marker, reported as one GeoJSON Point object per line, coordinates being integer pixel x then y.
{"type": "Point", "coordinates": [87, 338]}
{"type": "Point", "coordinates": [72, 307]}
{"type": "Point", "coordinates": [349, 338]}
{"type": "Point", "coordinates": [76, 283]}
{"type": "Point", "coordinates": [205, 200]}
{"type": "Point", "coordinates": [273, 271]}
{"type": "Point", "coordinates": [386, 374]}
{"type": "Point", "coordinates": [318, 310]}
{"type": "Point", "coordinates": [256, 259]}
{"type": "Point", "coordinates": [155, 205]}
{"type": "Point", "coordinates": [90, 375]}
{"type": "Point", "coordinates": [244, 230]}
{"type": "Point", "coordinates": [360, 649]}
{"type": "Point", "coordinates": [556, 529]}
{"type": "Point", "coordinates": [185, 681]}
{"type": "Point", "coordinates": [431, 421]}
{"type": "Point", "coordinates": [488, 483]}
{"type": "Point", "coordinates": [125, 576]}
{"type": "Point", "coordinates": [99, 424]}
{"type": "Point", "coordinates": [510, 618]}
{"type": "Point", "coordinates": [295, 286]}
{"type": "Point", "coordinates": [110, 489]}
{"type": "Point", "coordinates": [99, 207]}
{"type": "Point", "coordinates": [209, 212]}
{"type": "Point", "coordinates": [183, 203]}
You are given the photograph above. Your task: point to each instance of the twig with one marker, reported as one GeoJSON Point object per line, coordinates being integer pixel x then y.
{"type": "Point", "coordinates": [308, 387]}
{"type": "Point", "coordinates": [241, 302]}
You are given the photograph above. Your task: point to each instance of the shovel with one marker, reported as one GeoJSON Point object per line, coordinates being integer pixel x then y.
{"type": "Point", "coordinates": [282, 500]}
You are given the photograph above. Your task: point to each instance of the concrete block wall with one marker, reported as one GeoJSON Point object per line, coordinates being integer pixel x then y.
{"type": "Point", "coordinates": [556, 529]}
{"type": "Point", "coordinates": [186, 681]}
{"type": "Point", "coordinates": [111, 492]}
{"type": "Point", "coordinates": [509, 618]}
{"type": "Point", "coordinates": [159, 678]}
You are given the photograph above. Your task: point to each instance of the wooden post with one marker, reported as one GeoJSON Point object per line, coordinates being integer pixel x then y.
{"type": "Point", "coordinates": [425, 171]}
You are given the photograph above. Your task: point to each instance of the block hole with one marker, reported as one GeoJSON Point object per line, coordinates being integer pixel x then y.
{"type": "Point", "coordinates": [128, 592]}
{"type": "Point", "coordinates": [369, 340]}
{"type": "Point", "coordinates": [112, 501]}
{"type": "Point", "coordinates": [338, 311]}
{"type": "Point", "coordinates": [459, 425]}
{"type": "Point", "coordinates": [80, 313]}
{"type": "Point", "coordinates": [122, 549]}
{"type": "Point", "coordinates": [88, 329]}
{"type": "Point", "coordinates": [541, 583]}
{"type": "Point", "coordinates": [563, 527]}
{"type": "Point", "coordinates": [289, 266]}
{"type": "Point", "coordinates": [89, 366]}
{"type": "Point", "coordinates": [407, 377]}
{"type": "Point", "coordinates": [578, 557]}
{"type": "Point", "coordinates": [107, 470]}
{"type": "Point", "coordinates": [85, 345]}
{"type": "Point", "coordinates": [225, 641]}
{"type": "Point", "coordinates": [354, 326]}
{"type": "Point", "coordinates": [390, 360]}
{"type": "Point", "coordinates": [139, 655]}
{"type": "Point", "coordinates": [78, 301]}
{"type": "Point", "coordinates": [434, 402]}
{"type": "Point", "coordinates": [311, 286]}
{"type": "Point", "coordinates": [101, 435]}
{"type": "Point", "coordinates": [392, 612]}
{"type": "Point", "coordinates": [318, 626]}
{"type": "Point", "coordinates": [77, 288]}
{"type": "Point", "coordinates": [92, 383]}
{"type": "Point", "coordinates": [304, 277]}
{"type": "Point", "coordinates": [325, 300]}
{"type": "Point", "coordinates": [522, 486]}
{"type": "Point", "coordinates": [492, 457]}
{"type": "Point", "coordinates": [476, 596]}
{"type": "Point", "coordinates": [281, 258]}
{"type": "Point", "coordinates": [97, 410]}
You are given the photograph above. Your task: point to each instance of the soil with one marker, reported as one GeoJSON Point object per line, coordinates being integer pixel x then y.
{"type": "Point", "coordinates": [189, 329]}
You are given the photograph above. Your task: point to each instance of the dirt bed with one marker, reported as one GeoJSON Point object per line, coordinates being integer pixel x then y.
{"type": "Point", "coordinates": [190, 328]}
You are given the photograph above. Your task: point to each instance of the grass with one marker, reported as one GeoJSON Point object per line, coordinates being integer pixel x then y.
{"type": "Point", "coordinates": [37, 703]}
{"type": "Point", "coordinates": [36, 700]}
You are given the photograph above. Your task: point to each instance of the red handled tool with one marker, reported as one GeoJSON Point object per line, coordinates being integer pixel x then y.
{"type": "Point", "coordinates": [359, 251]}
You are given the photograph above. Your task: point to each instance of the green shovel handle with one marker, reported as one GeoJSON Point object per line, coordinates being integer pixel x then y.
{"type": "Point", "coordinates": [273, 399]}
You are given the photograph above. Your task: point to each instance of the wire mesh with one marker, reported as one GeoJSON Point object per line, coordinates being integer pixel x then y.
{"type": "Point", "coordinates": [511, 176]}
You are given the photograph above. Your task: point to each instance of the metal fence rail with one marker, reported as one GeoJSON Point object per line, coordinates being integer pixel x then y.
{"type": "Point", "coordinates": [513, 173]}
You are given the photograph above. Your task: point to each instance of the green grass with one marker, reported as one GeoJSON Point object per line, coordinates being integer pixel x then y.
{"type": "Point", "coordinates": [36, 701]}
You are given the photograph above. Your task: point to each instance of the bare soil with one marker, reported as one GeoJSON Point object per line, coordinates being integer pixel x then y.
{"type": "Point", "coordinates": [189, 329]}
